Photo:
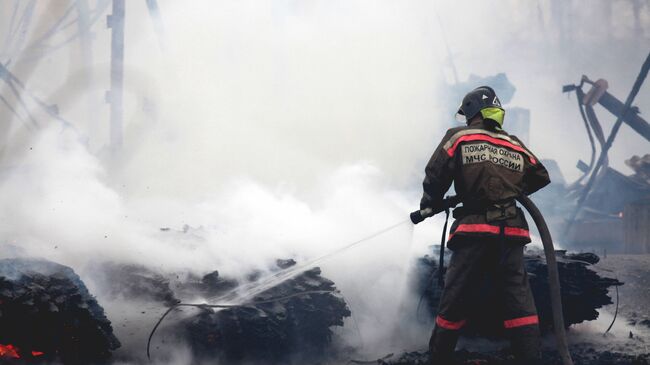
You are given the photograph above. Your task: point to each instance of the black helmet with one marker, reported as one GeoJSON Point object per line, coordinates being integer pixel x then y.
{"type": "Point", "coordinates": [480, 98]}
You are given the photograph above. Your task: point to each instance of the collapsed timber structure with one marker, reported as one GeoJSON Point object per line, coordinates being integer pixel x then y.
{"type": "Point", "coordinates": [604, 209]}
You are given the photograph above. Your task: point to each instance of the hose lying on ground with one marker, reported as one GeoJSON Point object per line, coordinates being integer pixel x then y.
{"type": "Point", "coordinates": [214, 306]}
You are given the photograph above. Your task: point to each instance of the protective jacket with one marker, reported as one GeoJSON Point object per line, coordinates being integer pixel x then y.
{"type": "Point", "coordinates": [489, 168]}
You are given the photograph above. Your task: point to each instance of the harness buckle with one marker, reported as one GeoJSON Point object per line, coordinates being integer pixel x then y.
{"type": "Point", "coordinates": [501, 212]}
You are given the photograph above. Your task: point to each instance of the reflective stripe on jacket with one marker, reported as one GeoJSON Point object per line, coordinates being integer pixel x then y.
{"type": "Point", "coordinates": [486, 166]}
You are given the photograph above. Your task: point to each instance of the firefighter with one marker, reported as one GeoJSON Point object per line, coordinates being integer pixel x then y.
{"type": "Point", "coordinates": [489, 169]}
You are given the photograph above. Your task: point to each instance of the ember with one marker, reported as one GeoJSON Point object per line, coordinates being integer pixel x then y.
{"type": "Point", "coordinates": [9, 351]}
{"type": "Point", "coordinates": [12, 352]}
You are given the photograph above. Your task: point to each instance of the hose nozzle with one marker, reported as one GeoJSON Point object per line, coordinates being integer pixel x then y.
{"type": "Point", "coordinates": [422, 214]}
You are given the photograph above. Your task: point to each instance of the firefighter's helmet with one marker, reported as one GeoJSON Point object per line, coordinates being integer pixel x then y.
{"type": "Point", "coordinates": [482, 100]}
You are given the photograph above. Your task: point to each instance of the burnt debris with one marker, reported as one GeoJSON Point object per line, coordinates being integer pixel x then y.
{"type": "Point", "coordinates": [298, 326]}
{"type": "Point", "coordinates": [641, 167]}
{"type": "Point", "coordinates": [276, 325]}
{"type": "Point", "coordinates": [209, 285]}
{"type": "Point", "coordinates": [47, 314]}
{"type": "Point", "coordinates": [132, 281]}
{"type": "Point", "coordinates": [583, 292]}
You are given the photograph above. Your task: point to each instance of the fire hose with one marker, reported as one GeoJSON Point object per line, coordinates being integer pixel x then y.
{"type": "Point", "coordinates": [551, 264]}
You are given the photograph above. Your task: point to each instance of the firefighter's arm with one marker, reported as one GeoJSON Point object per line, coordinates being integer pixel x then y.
{"type": "Point", "coordinates": [438, 176]}
{"type": "Point", "coordinates": [536, 176]}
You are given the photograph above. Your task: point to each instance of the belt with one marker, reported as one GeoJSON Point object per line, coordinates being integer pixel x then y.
{"type": "Point", "coordinates": [464, 211]}
{"type": "Point", "coordinates": [493, 211]}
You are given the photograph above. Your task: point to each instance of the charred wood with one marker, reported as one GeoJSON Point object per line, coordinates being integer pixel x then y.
{"type": "Point", "coordinates": [131, 281]}
{"type": "Point", "coordinates": [299, 326]}
{"type": "Point", "coordinates": [47, 313]}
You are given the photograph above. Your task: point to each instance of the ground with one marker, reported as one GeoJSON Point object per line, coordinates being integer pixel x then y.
{"type": "Point", "coordinates": [634, 295]}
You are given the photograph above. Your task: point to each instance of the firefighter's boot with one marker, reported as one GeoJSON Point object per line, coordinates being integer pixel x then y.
{"type": "Point", "coordinates": [525, 342]}
{"type": "Point", "coordinates": [442, 345]}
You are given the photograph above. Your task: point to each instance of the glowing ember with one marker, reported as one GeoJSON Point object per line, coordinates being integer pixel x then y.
{"type": "Point", "coordinates": [9, 351]}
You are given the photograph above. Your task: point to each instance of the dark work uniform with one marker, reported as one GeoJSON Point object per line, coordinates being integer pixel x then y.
{"type": "Point", "coordinates": [489, 169]}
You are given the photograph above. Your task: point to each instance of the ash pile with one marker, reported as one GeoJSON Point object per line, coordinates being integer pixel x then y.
{"type": "Point", "coordinates": [583, 292]}
{"type": "Point", "coordinates": [278, 325]}
{"type": "Point", "coordinates": [47, 314]}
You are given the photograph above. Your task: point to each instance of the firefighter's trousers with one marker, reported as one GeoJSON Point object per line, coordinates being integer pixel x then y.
{"type": "Point", "coordinates": [473, 259]}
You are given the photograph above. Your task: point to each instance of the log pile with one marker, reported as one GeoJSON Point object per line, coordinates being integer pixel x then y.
{"type": "Point", "coordinates": [296, 327]}
{"type": "Point", "coordinates": [583, 290]}
{"type": "Point", "coordinates": [47, 314]}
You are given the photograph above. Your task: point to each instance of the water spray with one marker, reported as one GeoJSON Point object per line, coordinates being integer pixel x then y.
{"type": "Point", "coordinates": [241, 297]}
